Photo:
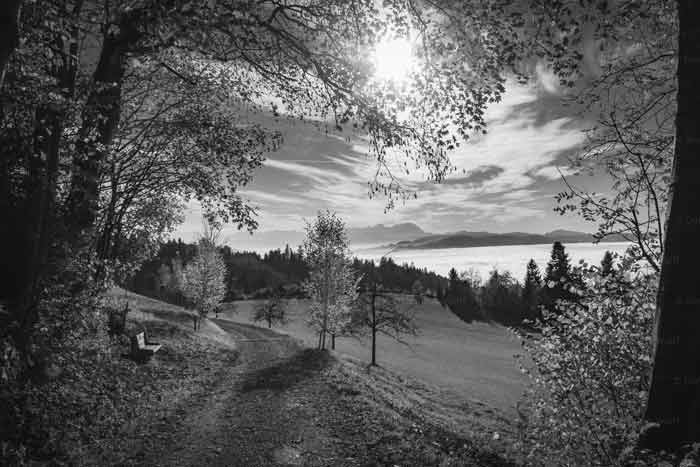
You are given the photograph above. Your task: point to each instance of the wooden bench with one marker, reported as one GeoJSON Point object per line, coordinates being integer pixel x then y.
{"type": "Point", "coordinates": [141, 349]}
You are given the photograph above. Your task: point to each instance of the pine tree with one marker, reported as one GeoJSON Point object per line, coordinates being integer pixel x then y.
{"type": "Point", "coordinates": [532, 287]}
{"type": "Point", "coordinates": [461, 298]}
{"type": "Point", "coordinates": [557, 277]}
{"type": "Point", "coordinates": [607, 264]}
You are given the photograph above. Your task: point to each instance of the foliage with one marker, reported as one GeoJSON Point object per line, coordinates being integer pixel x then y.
{"type": "Point", "coordinates": [589, 370]}
{"type": "Point", "coordinates": [532, 288]}
{"type": "Point", "coordinates": [332, 285]}
{"type": "Point", "coordinates": [627, 89]}
{"type": "Point", "coordinates": [501, 298]}
{"type": "Point", "coordinates": [558, 277]}
{"type": "Point", "coordinates": [607, 264]}
{"type": "Point", "coordinates": [204, 278]}
{"type": "Point", "coordinates": [272, 311]}
{"type": "Point", "coordinates": [461, 298]}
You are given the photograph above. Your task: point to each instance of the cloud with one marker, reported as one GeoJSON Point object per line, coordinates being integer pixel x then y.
{"type": "Point", "coordinates": [476, 177]}
{"type": "Point", "coordinates": [553, 172]}
{"type": "Point", "coordinates": [547, 79]}
{"type": "Point", "coordinates": [501, 182]}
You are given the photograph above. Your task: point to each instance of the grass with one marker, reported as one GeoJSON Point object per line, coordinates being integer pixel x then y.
{"type": "Point", "coordinates": [449, 391]}
{"type": "Point", "coordinates": [473, 362]}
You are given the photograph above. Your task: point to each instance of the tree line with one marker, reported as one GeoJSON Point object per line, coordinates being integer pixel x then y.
{"type": "Point", "coordinates": [279, 272]}
{"type": "Point", "coordinates": [504, 299]}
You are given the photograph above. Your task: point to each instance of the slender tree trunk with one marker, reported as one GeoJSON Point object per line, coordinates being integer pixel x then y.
{"type": "Point", "coordinates": [333, 341]}
{"type": "Point", "coordinates": [374, 331]}
{"type": "Point", "coordinates": [673, 406]}
{"type": "Point", "coordinates": [9, 33]}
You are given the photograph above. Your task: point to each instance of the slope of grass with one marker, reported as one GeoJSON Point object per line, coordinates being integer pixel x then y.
{"type": "Point", "coordinates": [473, 361]}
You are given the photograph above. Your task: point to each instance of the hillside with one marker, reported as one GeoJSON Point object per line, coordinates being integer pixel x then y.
{"type": "Point", "coordinates": [473, 361]}
{"type": "Point", "coordinates": [233, 394]}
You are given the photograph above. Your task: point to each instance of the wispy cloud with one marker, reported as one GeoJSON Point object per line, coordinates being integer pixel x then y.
{"type": "Point", "coordinates": [504, 179]}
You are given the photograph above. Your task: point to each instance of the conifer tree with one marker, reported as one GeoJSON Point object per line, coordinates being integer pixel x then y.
{"type": "Point", "coordinates": [532, 288]}
{"type": "Point", "coordinates": [607, 264]}
{"type": "Point", "coordinates": [557, 277]}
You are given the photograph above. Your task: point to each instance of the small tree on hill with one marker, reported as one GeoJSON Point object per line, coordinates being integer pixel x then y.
{"type": "Point", "coordinates": [204, 277]}
{"type": "Point", "coordinates": [272, 311]}
{"type": "Point", "coordinates": [332, 286]}
{"type": "Point", "coordinates": [418, 291]}
{"type": "Point", "coordinates": [378, 312]}
{"type": "Point", "coordinates": [532, 288]}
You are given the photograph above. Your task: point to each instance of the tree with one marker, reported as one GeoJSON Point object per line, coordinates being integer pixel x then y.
{"type": "Point", "coordinates": [461, 298]}
{"type": "Point", "coordinates": [501, 298]}
{"type": "Point", "coordinates": [204, 277]}
{"type": "Point", "coordinates": [589, 367]}
{"type": "Point", "coordinates": [272, 311]}
{"type": "Point", "coordinates": [9, 37]}
{"type": "Point", "coordinates": [379, 312]}
{"type": "Point", "coordinates": [532, 288]}
{"type": "Point", "coordinates": [418, 291]}
{"type": "Point", "coordinates": [557, 277]}
{"type": "Point", "coordinates": [674, 394]}
{"type": "Point", "coordinates": [630, 99]}
{"type": "Point", "coordinates": [607, 264]}
{"type": "Point", "coordinates": [332, 286]}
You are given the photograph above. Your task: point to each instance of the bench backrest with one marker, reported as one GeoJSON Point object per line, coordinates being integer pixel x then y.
{"type": "Point", "coordinates": [141, 340]}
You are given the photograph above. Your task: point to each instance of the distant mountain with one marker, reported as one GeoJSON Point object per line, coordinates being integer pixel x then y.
{"type": "Point", "coordinates": [381, 233]}
{"type": "Point", "coordinates": [373, 235]}
{"type": "Point", "coordinates": [474, 239]}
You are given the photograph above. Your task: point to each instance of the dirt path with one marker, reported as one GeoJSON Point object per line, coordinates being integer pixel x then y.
{"type": "Point", "coordinates": [260, 412]}
{"type": "Point", "coordinates": [280, 404]}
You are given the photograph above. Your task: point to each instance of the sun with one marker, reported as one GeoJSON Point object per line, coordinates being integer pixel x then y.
{"type": "Point", "coordinates": [393, 59]}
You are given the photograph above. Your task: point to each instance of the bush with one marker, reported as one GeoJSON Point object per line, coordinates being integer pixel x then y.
{"type": "Point", "coordinates": [589, 369]}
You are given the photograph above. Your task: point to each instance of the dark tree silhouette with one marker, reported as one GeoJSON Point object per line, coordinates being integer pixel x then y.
{"type": "Point", "coordinates": [607, 264]}
{"type": "Point", "coordinates": [532, 289]}
{"type": "Point", "coordinates": [673, 406]}
{"type": "Point", "coordinates": [461, 298]}
{"type": "Point", "coordinates": [557, 277]}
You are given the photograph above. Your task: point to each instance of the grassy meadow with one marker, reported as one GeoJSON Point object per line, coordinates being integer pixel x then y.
{"type": "Point", "coordinates": [475, 361]}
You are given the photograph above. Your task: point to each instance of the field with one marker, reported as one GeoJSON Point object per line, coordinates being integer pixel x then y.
{"type": "Point", "coordinates": [474, 361]}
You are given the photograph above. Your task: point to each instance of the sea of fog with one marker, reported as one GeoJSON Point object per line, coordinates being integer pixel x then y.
{"type": "Point", "coordinates": [483, 259]}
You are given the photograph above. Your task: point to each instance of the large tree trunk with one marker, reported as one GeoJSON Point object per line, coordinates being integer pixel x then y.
{"type": "Point", "coordinates": [673, 407]}
{"type": "Point", "coordinates": [9, 33]}
{"type": "Point", "coordinates": [100, 122]}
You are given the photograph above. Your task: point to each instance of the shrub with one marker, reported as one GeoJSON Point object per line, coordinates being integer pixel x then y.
{"type": "Point", "coordinates": [589, 367]}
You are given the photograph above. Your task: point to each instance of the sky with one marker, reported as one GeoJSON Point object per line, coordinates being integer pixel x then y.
{"type": "Point", "coordinates": [505, 181]}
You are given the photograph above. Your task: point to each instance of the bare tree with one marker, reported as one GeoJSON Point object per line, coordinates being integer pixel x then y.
{"type": "Point", "coordinates": [272, 311]}
{"type": "Point", "coordinates": [379, 312]}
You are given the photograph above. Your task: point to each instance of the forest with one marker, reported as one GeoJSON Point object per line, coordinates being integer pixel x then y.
{"type": "Point", "coordinates": [500, 298]}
